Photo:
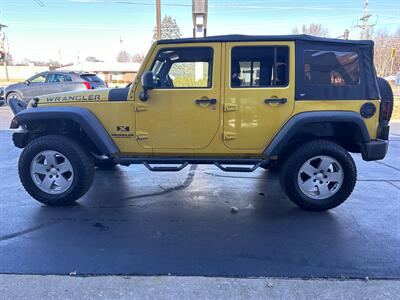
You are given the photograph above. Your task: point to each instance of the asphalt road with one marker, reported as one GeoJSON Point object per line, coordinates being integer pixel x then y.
{"type": "Point", "coordinates": [137, 222]}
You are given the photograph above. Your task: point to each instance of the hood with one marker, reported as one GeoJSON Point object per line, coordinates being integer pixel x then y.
{"type": "Point", "coordinates": [96, 95]}
{"type": "Point", "coordinates": [13, 86]}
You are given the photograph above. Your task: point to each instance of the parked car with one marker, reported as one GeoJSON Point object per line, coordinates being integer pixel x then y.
{"type": "Point", "coordinates": [52, 82]}
{"type": "Point", "coordinates": [302, 103]}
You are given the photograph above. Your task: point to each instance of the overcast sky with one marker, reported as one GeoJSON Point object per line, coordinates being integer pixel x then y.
{"type": "Point", "coordinates": [48, 29]}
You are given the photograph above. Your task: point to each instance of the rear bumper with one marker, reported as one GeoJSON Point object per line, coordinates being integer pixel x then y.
{"type": "Point", "coordinates": [375, 150]}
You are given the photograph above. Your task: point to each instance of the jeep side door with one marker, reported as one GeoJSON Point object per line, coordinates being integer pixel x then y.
{"type": "Point", "coordinates": [259, 92]}
{"type": "Point", "coordinates": [183, 109]}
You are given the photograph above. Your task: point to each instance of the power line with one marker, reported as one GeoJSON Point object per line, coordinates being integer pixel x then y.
{"type": "Point", "coordinates": [40, 3]}
{"type": "Point", "coordinates": [366, 28]}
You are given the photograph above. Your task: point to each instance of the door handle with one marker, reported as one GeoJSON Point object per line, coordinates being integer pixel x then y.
{"type": "Point", "coordinates": [205, 101]}
{"type": "Point", "coordinates": [275, 101]}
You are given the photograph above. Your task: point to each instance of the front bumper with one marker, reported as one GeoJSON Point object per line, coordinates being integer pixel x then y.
{"type": "Point", "coordinates": [375, 150]}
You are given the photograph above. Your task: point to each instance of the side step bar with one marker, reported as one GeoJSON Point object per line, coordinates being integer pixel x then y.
{"type": "Point", "coordinates": [165, 169]}
{"type": "Point", "coordinates": [238, 163]}
{"type": "Point", "coordinates": [238, 169]}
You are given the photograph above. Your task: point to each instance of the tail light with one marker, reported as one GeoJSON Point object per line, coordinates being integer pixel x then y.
{"type": "Point", "coordinates": [88, 85]}
{"type": "Point", "coordinates": [385, 111]}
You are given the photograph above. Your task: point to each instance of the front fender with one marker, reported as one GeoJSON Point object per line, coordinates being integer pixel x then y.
{"type": "Point", "coordinates": [82, 116]}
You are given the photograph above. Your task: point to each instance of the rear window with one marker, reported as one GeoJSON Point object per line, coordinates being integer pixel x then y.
{"type": "Point", "coordinates": [260, 66]}
{"type": "Point", "coordinates": [334, 68]}
{"type": "Point", "coordinates": [91, 78]}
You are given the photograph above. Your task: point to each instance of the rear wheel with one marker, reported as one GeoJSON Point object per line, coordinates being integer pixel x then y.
{"type": "Point", "coordinates": [55, 170]}
{"type": "Point", "coordinates": [319, 175]}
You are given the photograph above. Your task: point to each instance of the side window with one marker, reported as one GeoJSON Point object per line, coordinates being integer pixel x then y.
{"type": "Point", "coordinates": [67, 78]}
{"type": "Point", "coordinates": [189, 67]}
{"type": "Point", "coordinates": [334, 68]}
{"type": "Point", "coordinates": [260, 66]}
{"type": "Point", "coordinates": [38, 79]}
{"type": "Point", "coordinates": [57, 78]}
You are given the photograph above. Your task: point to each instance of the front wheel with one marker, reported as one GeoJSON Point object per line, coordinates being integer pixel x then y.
{"type": "Point", "coordinates": [319, 175]}
{"type": "Point", "coordinates": [13, 95]}
{"type": "Point", "coordinates": [55, 170]}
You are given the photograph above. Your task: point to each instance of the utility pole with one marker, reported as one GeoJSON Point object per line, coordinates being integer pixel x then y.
{"type": "Point", "coordinates": [365, 26]}
{"type": "Point", "coordinates": [3, 49]}
{"type": "Point", "coordinates": [345, 35]}
{"type": "Point", "coordinates": [158, 17]}
{"type": "Point", "coordinates": [199, 16]}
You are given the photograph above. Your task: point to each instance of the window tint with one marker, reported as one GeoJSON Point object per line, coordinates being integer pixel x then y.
{"type": "Point", "coordinates": [183, 68]}
{"type": "Point", "coordinates": [264, 66]}
{"type": "Point", "coordinates": [67, 78]}
{"type": "Point", "coordinates": [91, 78]}
{"type": "Point", "coordinates": [56, 78]}
{"type": "Point", "coordinates": [38, 79]}
{"type": "Point", "coordinates": [334, 68]}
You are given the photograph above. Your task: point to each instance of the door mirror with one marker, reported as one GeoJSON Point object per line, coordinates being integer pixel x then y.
{"type": "Point", "coordinates": [27, 82]}
{"type": "Point", "coordinates": [147, 85]}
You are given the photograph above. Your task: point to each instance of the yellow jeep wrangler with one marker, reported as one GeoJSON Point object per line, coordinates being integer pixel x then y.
{"type": "Point", "coordinates": [297, 103]}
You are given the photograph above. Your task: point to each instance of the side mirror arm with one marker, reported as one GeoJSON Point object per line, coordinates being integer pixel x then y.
{"type": "Point", "coordinates": [147, 84]}
{"type": "Point", "coordinates": [144, 95]}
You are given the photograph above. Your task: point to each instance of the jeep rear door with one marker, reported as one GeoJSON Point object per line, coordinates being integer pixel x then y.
{"type": "Point", "coordinates": [259, 92]}
{"type": "Point", "coordinates": [183, 109]}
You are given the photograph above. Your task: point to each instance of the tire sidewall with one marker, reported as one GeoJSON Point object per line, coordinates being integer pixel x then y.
{"type": "Point", "coordinates": [349, 178]}
{"type": "Point", "coordinates": [8, 98]}
{"type": "Point", "coordinates": [25, 172]}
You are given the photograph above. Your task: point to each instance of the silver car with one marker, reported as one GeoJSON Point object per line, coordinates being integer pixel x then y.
{"type": "Point", "coordinates": [52, 82]}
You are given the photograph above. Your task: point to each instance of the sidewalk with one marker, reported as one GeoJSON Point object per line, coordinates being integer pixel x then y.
{"type": "Point", "coordinates": [172, 287]}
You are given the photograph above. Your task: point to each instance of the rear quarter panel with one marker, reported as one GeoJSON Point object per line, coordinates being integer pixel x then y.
{"type": "Point", "coordinates": [341, 105]}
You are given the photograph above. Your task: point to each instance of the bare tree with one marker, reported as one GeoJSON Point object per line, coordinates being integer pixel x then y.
{"type": "Point", "coordinates": [92, 59]}
{"type": "Point", "coordinates": [138, 58]}
{"type": "Point", "coordinates": [385, 63]}
{"type": "Point", "coordinates": [169, 29]}
{"type": "Point", "coordinates": [123, 56]}
{"type": "Point", "coordinates": [312, 29]}
{"type": "Point", "coordinates": [9, 59]}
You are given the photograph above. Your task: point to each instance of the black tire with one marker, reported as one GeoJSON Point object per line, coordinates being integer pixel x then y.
{"type": "Point", "coordinates": [105, 164]}
{"type": "Point", "coordinates": [306, 151]}
{"type": "Point", "coordinates": [13, 95]}
{"type": "Point", "coordinates": [273, 167]}
{"type": "Point", "coordinates": [82, 164]}
{"type": "Point", "coordinates": [386, 97]}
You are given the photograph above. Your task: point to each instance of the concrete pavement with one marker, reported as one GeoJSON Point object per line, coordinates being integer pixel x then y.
{"type": "Point", "coordinates": [171, 287]}
{"type": "Point", "coordinates": [134, 222]}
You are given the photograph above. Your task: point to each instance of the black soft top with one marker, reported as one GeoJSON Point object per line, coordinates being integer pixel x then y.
{"type": "Point", "coordinates": [257, 38]}
{"type": "Point", "coordinates": [365, 89]}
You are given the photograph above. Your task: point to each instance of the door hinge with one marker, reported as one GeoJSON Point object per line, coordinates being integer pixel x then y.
{"type": "Point", "coordinates": [141, 135]}
{"type": "Point", "coordinates": [230, 107]}
{"type": "Point", "coordinates": [141, 107]}
{"type": "Point", "coordinates": [229, 136]}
